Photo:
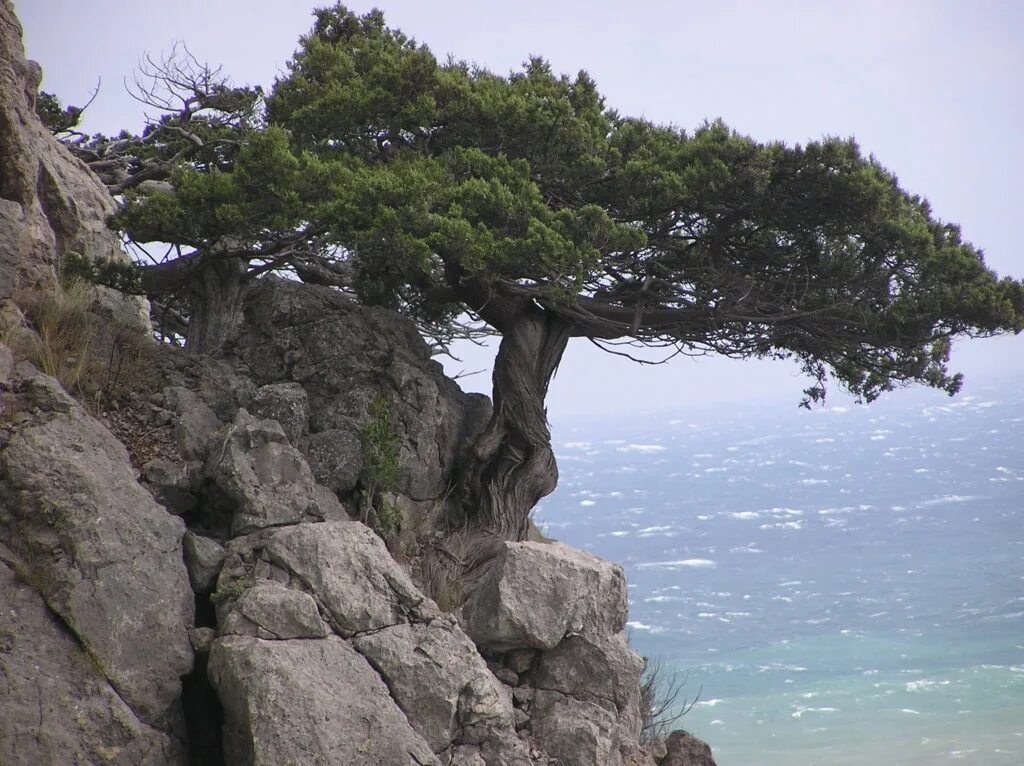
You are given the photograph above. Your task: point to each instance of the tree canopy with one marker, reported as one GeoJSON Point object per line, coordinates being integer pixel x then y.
{"type": "Point", "coordinates": [438, 188]}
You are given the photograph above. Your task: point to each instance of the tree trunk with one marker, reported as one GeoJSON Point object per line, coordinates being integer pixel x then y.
{"type": "Point", "coordinates": [215, 294]}
{"type": "Point", "coordinates": [512, 465]}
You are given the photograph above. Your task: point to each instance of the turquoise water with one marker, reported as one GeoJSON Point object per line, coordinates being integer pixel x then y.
{"type": "Point", "coordinates": [844, 586]}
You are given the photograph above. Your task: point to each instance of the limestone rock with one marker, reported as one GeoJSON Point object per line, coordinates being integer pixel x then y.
{"type": "Point", "coordinates": [203, 560]}
{"type": "Point", "coordinates": [50, 203]}
{"type": "Point", "coordinates": [503, 673]}
{"type": "Point", "coordinates": [101, 552]}
{"type": "Point", "coordinates": [575, 732]}
{"type": "Point", "coordinates": [537, 593]}
{"type": "Point", "coordinates": [344, 355]}
{"type": "Point", "coordinates": [440, 682]}
{"type": "Point", "coordinates": [286, 403]}
{"type": "Point", "coordinates": [202, 639]}
{"type": "Point", "coordinates": [6, 366]}
{"type": "Point", "coordinates": [684, 749]}
{"type": "Point", "coordinates": [638, 756]}
{"type": "Point", "coordinates": [120, 310]}
{"type": "Point", "coordinates": [169, 485]}
{"type": "Point", "coordinates": [196, 422]}
{"type": "Point", "coordinates": [308, 702]}
{"type": "Point", "coordinates": [267, 480]}
{"type": "Point", "coordinates": [54, 706]}
{"type": "Point", "coordinates": [336, 458]}
{"type": "Point", "coordinates": [657, 749]}
{"type": "Point", "coordinates": [521, 660]}
{"type": "Point", "coordinates": [464, 755]}
{"type": "Point", "coordinates": [347, 567]}
{"type": "Point", "coordinates": [601, 670]}
{"type": "Point", "coordinates": [272, 611]}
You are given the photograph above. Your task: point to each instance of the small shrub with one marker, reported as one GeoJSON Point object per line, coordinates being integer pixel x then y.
{"type": "Point", "coordinates": [380, 469]}
{"type": "Point", "coordinates": [660, 704]}
{"type": "Point", "coordinates": [231, 591]}
{"type": "Point", "coordinates": [109, 273]}
{"type": "Point", "coordinates": [389, 519]}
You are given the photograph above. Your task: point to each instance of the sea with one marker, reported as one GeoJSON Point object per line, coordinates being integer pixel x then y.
{"type": "Point", "coordinates": [840, 586]}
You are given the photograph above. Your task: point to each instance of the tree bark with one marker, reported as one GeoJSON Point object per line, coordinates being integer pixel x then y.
{"type": "Point", "coordinates": [215, 294]}
{"type": "Point", "coordinates": [512, 465]}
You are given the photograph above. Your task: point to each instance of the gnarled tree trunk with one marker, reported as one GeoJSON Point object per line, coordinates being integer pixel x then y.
{"type": "Point", "coordinates": [512, 465]}
{"type": "Point", "coordinates": [215, 296]}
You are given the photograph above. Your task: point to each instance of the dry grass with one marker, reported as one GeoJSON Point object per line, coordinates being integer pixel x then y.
{"type": "Point", "coordinates": [59, 337]}
{"type": "Point", "coordinates": [94, 360]}
{"type": "Point", "coordinates": [440, 567]}
{"type": "Point", "coordinates": [110, 369]}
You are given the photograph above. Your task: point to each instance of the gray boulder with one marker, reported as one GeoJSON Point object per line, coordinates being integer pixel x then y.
{"type": "Point", "coordinates": [284, 583]}
{"type": "Point", "coordinates": [344, 355]}
{"type": "Point", "coordinates": [536, 594]}
{"type": "Point", "coordinates": [273, 611]}
{"type": "Point", "coordinates": [464, 755]}
{"type": "Point", "coordinates": [126, 313]}
{"type": "Point", "coordinates": [684, 749]}
{"type": "Point", "coordinates": [346, 566]}
{"type": "Point", "coordinates": [336, 458]}
{"type": "Point", "coordinates": [6, 367]}
{"type": "Point", "coordinates": [45, 674]}
{"type": "Point", "coordinates": [440, 682]}
{"type": "Point", "coordinates": [203, 560]}
{"type": "Point", "coordinates": [267, 480]}
{"type": "Point", "coordinates": [600, 670]}
{"type": "Point", "coordinates": [308, 702]}
{"type": "Point", "coordinates": [286, 403]}
{"type": "Point", "coordinates": [195, 424]}
{"type": "Point", "coordinates": [170, 486]}
{"type": "Point", "coordinates": [575, 732]}
{"type": "Point", "coordinates": [104, 556]}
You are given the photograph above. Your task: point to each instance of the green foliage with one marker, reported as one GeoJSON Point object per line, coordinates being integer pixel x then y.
{"type": "Point", "coordinates": [446, 187]}
{"type": "Point", "coordinates": [55, 116]}
{"type": "Point", "coordinates": [388, 519]}
{"type": "Point", "coordinates": [231, 591]}
{"type": "Point", "coordinates": [380, 449]}
{"type": "Point", "coordinates": [110, 273]}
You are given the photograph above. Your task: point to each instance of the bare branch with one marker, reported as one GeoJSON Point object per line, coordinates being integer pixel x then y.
{"type": "Point", "coordinates": [660, 708]}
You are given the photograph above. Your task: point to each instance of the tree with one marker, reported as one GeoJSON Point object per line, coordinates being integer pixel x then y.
{"type": "Point", "coordinates": [439, 188]}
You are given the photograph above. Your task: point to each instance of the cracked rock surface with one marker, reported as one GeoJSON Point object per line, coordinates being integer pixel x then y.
{"type": "Point", "coordinates": [295, 581]}
{"type": "Point", "coordinates": [538, 593]}
{"type": "Point", "coordinates": [50, 203]}
{"type": "Point", "coordinates": [105, 557]}
{"type": "Point", "coordinates": [54, 705]}
{"type": "Point", "coordinates": [308, 702]}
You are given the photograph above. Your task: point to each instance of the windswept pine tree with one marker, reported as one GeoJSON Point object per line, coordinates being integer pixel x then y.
{"type": "Point", "coordinates": [443, 191]}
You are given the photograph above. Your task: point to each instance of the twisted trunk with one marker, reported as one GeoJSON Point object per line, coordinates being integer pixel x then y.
{"type": "Point", "coordinates": [215, 297]}
{"type": "Point", "coordinates": [512, 465]}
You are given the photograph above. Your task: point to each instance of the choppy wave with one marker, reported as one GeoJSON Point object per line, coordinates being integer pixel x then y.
{"type": "Point", "coordinates": [884, 596]}
{"type": "Point", "coordinates": [694, 563]}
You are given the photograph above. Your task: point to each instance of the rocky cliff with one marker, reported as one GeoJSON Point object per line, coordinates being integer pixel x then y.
{"type": "Point", "coordinates": [49, 204]}
{"type": "Point", "coordinates": [185, 572]}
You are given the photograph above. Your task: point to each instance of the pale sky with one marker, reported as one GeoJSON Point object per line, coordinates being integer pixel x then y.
{"type": "Point", "coordinates": [931, 88]}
